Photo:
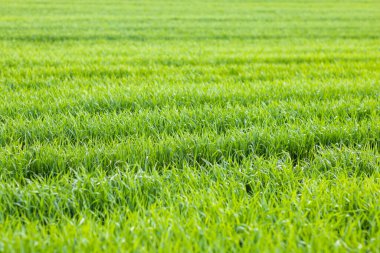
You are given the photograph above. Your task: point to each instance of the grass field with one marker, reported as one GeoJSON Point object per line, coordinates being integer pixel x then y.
{"type": "Point", "coordinates": [177, 126]}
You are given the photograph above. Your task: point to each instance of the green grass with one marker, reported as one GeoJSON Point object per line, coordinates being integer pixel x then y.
{"type": "Point", "coordinates": [204, 126]}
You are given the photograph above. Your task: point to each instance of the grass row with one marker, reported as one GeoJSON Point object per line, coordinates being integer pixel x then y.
{"type": "Point", "coordinates": [228, 207]}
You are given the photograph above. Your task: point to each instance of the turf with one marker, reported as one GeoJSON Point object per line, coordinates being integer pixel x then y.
{"type": "Point", "coordinates": [177, 126]}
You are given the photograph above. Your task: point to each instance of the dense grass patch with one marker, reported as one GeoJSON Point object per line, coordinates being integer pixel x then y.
{"type": "Point", "coordinates": [170, 126]}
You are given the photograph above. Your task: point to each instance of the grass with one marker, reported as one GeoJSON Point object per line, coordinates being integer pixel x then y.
{"type": "Point", "coordinates": [204, 126]}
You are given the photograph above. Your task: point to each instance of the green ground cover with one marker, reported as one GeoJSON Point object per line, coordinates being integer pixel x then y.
{"type": "Point", "coordinates": [177, 126]}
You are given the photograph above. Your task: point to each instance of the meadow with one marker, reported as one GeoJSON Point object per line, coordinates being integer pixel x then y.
{"type": "Point", "coordinates": [189, 126]}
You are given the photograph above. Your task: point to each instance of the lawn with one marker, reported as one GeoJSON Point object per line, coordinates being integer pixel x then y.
{"type": "Point", "coordinates": [189, 126]}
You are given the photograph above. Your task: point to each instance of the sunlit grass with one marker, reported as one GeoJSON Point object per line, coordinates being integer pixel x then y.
{"type": "Point", "coordinates": [205, 126]}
